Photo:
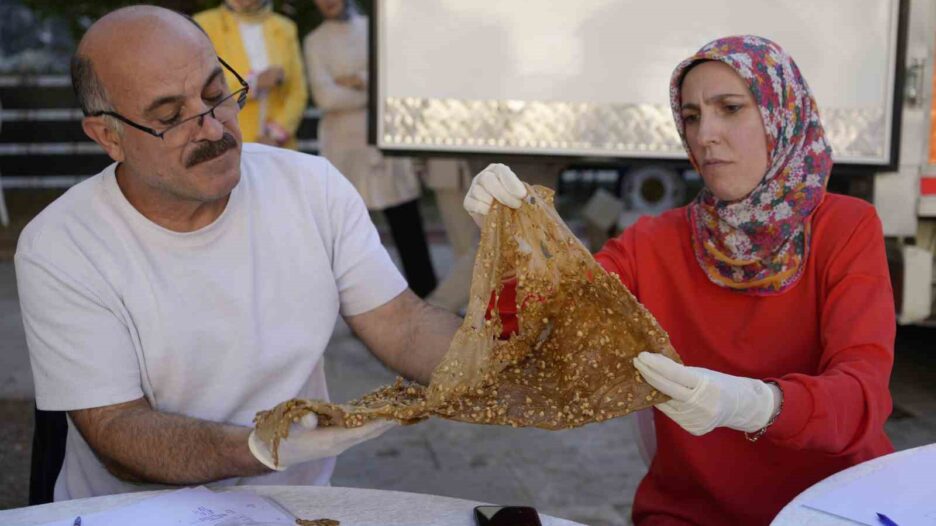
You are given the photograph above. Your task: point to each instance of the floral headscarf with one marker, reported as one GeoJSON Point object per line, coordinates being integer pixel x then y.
{"type": "Point", "coordinates": [759, 245]}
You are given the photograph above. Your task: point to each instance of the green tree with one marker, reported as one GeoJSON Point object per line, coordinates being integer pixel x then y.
{"type": "Point", "coordinates": [81, 13]}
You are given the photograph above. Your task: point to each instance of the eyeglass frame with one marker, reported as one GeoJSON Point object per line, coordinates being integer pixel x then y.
{"type": "Point", "coordinates": [241, 101]}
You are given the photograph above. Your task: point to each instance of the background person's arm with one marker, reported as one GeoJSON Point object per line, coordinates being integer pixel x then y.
{"type": "Point", "coordinates": [139, 444]}
{"type": "Point", "coordinates": [407, 334]}
{"type": "Point", "coordinates": [326, 92]}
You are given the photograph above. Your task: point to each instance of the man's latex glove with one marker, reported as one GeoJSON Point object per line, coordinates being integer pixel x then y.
{"type": "Point", "coordinates": [306, 442]}
{"type": "Point", "coordinates": [496, 182]}
{"type": "Point", "coordinates": [702, 399]}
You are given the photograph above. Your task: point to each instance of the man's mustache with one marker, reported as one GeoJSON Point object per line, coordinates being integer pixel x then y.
{"type": "Point", "coordinates": [210, 150]}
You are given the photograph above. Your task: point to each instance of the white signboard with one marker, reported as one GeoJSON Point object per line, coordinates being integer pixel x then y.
{"type": "Point", "coordinates": [591, 77]}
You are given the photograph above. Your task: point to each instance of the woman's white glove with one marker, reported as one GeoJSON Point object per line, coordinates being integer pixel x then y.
{"type": "Point", "coordinates": [702, 399]}
{"type": "Point", "coordinates": [306, 442]}
{"type": "Point", "coordinates": [496, 182]}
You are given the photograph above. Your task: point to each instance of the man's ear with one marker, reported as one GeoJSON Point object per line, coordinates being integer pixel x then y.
{"type": "Point", "coordinates": [103, 133]}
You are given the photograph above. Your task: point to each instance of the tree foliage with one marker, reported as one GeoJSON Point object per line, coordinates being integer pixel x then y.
{"type": "Point", "coordinates": [79, 14]}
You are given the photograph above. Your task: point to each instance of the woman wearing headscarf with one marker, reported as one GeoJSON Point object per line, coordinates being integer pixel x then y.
{"type": "Point", "coordinates": [336, 60]}
{"type": "Point", "coordinates": [264, 46]}
{"type": "Point", "coordinates": [775, 293]}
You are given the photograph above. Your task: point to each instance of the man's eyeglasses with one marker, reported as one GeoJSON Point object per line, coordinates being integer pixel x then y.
{"type": "Point", "coordinates": [222, 111]}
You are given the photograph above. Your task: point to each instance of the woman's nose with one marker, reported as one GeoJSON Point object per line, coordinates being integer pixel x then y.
{"type": "Point", "coordinates": [710, 130]}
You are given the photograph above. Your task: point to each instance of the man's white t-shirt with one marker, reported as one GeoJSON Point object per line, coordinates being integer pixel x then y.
{"type": "Point", "coordinates": [215, 324]}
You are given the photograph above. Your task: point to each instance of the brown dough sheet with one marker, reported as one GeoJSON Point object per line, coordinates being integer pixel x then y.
{"type": "Point", "coordinates": [569, 364]}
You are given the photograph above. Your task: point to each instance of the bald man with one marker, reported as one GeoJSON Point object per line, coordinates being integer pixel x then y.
{"type": "Point", "coordinates": [197, 279]}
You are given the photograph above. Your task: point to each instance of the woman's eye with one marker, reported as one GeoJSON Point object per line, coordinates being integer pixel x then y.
{"type": "Point", "coordinates": [690, 118]}
{"type": "Point", "coordinates": [733, 108]}
{"type": "Point", "coordinates": [215, 98]}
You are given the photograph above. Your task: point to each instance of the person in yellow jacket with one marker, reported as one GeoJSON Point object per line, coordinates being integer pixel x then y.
{"type": "Point", "coordinates": [264, 46]}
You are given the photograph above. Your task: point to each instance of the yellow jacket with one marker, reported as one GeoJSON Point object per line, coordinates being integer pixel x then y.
{"type": "Point", "coordinates": [285, 103]}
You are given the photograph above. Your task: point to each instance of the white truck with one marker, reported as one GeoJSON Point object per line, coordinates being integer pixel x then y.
{"type": "Point", "coordinates": [588, 81]}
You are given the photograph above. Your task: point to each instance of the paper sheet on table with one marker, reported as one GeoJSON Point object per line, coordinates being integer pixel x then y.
{"type": "Point", "coordinates": [191, 507]}
{"type": "Point", "coordinates": [904, 490]}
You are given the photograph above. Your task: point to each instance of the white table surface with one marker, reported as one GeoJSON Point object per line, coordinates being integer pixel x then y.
{"type": "Point", "coordinates": [351, 506]}
{"type": "Point", "coordinates": [796, 514]}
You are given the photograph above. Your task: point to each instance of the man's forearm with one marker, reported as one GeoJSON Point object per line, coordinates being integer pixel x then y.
{"type": "Point", "coordinates": [429, 335]}
{"type": "Point", "coordinates": [407, 334]}
{"type": "Point", "coordinates": [139, 444]}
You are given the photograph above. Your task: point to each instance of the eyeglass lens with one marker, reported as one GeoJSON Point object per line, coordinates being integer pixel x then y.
{"type": "Point", "coordinates": [223, 112]}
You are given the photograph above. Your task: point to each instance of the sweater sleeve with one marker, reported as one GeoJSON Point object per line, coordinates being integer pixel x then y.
{"type": "Point", "coordinates": [617, 257]}
{"type": "Point", "coordinates": [847, 401]}
{"type": "Point", "coordinates": [328, 95]}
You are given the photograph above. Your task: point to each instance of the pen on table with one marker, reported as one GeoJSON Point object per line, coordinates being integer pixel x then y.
{"type": "Point", "coordinates": [885, 520]}
{"type": "Point", "coordinates": [77, 521]}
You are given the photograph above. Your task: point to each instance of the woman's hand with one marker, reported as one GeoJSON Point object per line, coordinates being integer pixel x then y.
{"type": "Point", "coordinates": [496, 182]}
{"type": "Point", "coordinates": [702, 399]}
{"type": "Point", "coordinates": [307, 442]}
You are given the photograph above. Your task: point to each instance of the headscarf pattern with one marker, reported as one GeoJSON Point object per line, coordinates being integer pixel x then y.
{"type": "Point", "coordinates": [760, 244]}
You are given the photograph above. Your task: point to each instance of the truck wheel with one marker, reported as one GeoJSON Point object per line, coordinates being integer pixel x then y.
{"type": "Point", "coordinates": [652, 189]}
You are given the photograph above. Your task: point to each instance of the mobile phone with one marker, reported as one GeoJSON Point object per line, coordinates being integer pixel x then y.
{"type": "Point", "coordinates": [506, 516]}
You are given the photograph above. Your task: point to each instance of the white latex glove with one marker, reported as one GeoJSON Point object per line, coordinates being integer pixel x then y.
{"type": "Point", "coordinates": [702, 399]}
{"type": "Point", "coordinates": [306, 442]}
{"type": "Point", "coordinates": [497, 181]}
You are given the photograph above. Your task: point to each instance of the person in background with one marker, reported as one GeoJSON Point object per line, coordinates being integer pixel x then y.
{"type": "Point", "coordinates": [254, 39]}
{"type": "Point", "coordinates": [336, 62]}
{"type": "Point", "coordinates": [449, 178]}
{"type": "Point", "coordinates": [775, 293]}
